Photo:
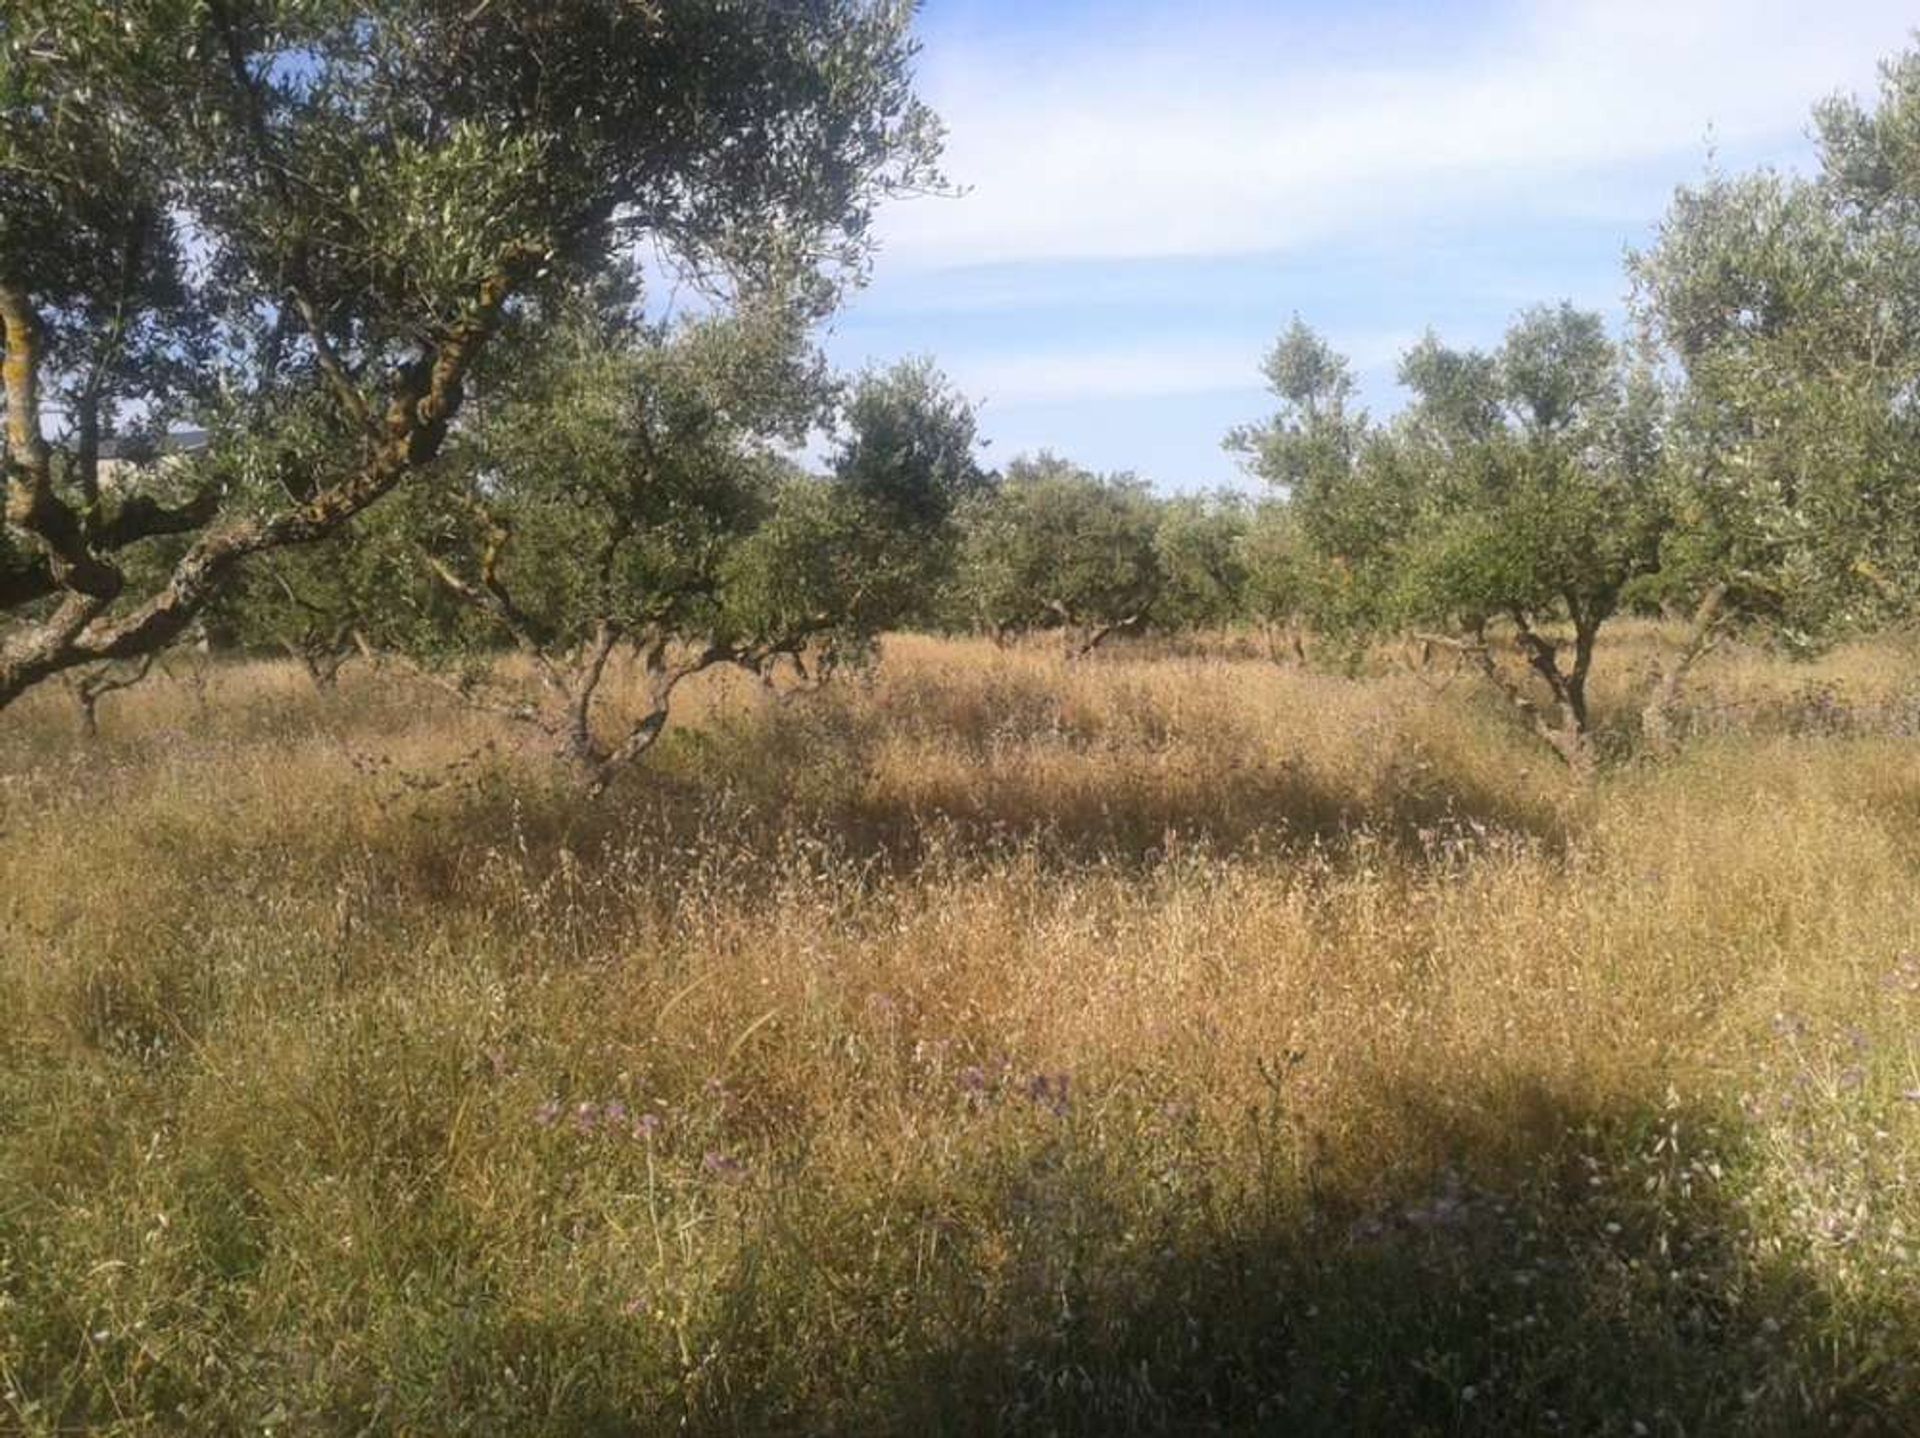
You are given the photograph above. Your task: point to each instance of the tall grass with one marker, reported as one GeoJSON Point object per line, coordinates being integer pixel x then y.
{"type": "Point", "coordinates": [1152, 1044]}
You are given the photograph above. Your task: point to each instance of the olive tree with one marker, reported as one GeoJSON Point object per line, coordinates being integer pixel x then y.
{"type": "Point", "coordinates": [906, 454]}
{"type": "Point", "coordinates": [623, 502]}
{"type": "Point", "coordinates": [1200, 548]}
{"type": "Point", "coordinates": [300, 224]}
{"type": "Point", "coordinates": [1787, 307]}
{"type": "Point", "coordinates": [1320, 555]}
{"type": "Point", "coordinates": [1519, 489]}
{"type": "Point", "coordinates": [1537, 472]}
{"type": "Point", "coordinates": [1284, 584]}
{"type": "Point", "coordinates": [1055, 546]}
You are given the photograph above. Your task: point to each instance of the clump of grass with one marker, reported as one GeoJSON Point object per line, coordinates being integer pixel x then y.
{"type": "Point", "coordinates": [1166, 1043]}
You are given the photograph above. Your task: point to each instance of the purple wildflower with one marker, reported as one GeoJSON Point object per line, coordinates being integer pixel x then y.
{"type": "Point", "coordinates": [646, 1126]}
{"type": "Point", "coordinates": [1049, 1091]}
{"type": "Point", "coordinates": [548, 1114]}
{"type": "Point", "coordinates": [724, 1166]}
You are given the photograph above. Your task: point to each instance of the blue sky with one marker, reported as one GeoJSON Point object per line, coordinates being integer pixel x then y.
{"type": "Point", "coordinates": [1153, 189]}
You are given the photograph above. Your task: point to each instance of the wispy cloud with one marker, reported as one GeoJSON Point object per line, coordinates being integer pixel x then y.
{"type": "Point", "coordinates": [1156, 186]}
{"type": "Point", "coordinates": [1233, 136]}
{"type": "Point", "coordinates": [1048, 376]}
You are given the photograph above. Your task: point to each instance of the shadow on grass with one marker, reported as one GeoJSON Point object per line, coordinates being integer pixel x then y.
{"type": "Point", "coordinates": [761, 786]}
{"type": "Point", "coordinates": [1136, 821]}
{"type": "Point", "coordinates": [1559, 1269]}
{"type": "Point", "coordinates": [1114, 1266]}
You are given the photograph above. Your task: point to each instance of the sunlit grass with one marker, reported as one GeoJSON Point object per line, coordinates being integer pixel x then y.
{"type": "Point", "coordinates": [996, 1044]}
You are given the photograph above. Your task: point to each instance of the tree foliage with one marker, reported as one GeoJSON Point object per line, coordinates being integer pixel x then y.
{"type": "Point", "coordinates": [1319, 552]}
{"type": "Point", "coordinates": [907, 459]}
{"type": "Point", "coordinates": [1058, 546]}
{"type": "Point", "coordinates": [1520, 487]}
{"type": "Point", "coordinates": [299, 224]}
{"type": "Point", "coordinates": [1787, 308]}
{"type": "Point", "coordinates": [1199, 545]}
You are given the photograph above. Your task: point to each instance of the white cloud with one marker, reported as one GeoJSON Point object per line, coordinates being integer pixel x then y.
{"type": "Point", "coordinates": [1118, 372]}
{"type": "Point", "coordinates": [1154, 190]}
{"type": "Point", "coordinates": [1237, 137]}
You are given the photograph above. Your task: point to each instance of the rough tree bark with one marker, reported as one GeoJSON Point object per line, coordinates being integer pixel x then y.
{"type": "Point", "coordinates": [1703, 633]}
{"type": "Point", "coordinates": [1563, 726]}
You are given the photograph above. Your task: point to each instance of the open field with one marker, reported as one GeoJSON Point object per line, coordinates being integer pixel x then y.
{"type": "Point", "coordinates": [1153, 1044]}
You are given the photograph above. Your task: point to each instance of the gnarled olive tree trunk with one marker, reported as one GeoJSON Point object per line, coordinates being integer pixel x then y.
{"type": "Point", "coordinates": [1657, 718]}
{"type": "Point", "coordinates": [1564, 723]}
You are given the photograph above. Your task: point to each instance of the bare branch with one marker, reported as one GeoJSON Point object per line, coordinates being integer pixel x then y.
{"type": "Point", "coordinates": [344, 389]}
{"type": "Point", "coordinates": [492, 598]}
{"type": "Point", "coordinates": [248, 85]}
{"type": "Point", "coordinates": [91, 686]}
{"type": "Point", "coordinates": [424, 402]}
{"type": "Point", "coordinates": [142, 516]}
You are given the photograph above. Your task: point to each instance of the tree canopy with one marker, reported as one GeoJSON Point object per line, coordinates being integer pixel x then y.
{"type": "Point", "coordinates": [298, 224]}
{"type": "Point", "coordinates": [1787, 308]}
{"type": "Point", "coordinates": [1520, 486]}
{"type": "Point", "coordinates": [1059, 546]}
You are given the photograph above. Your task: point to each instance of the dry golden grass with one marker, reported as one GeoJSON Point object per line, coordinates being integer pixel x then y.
{"type": "Point", "coordinates": [1183, 1044]}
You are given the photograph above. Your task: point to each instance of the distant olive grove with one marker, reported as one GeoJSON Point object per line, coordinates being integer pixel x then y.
{"type": "Point", "coordinates": [384, 257]}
